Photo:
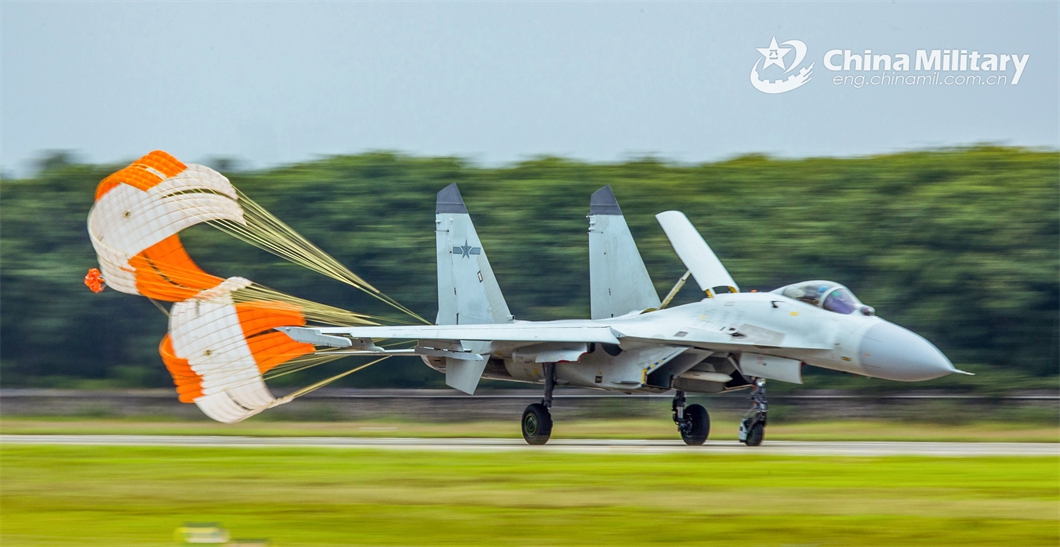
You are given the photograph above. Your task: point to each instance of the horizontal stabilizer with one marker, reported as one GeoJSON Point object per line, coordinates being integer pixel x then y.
{"type": "Point", "coordinates": [710, 274]}
{"type": "Point", "coordinates": [463, 375]}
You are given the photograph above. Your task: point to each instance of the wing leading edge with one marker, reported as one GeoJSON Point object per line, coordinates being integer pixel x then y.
{"type": "Point", "coordinates": [511, 332]}
{"type": "Point", "coordinates": [533, 333]}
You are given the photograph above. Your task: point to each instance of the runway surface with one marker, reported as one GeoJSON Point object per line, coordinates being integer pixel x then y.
{"type": "Point", "coordinates": [589, 446]}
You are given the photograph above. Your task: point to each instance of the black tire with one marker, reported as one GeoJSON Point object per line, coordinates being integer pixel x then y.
{"type": "Point", "coordinates": [537, 424]}
{"type": "Point", "coordinates": [700, 427]}
{"type": "Point", "coordinates": [756, 434]}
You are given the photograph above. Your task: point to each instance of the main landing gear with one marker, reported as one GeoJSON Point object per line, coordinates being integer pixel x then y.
{"type": "Point", "coordinates": [537, 420]}
{"type": "Point", "coordinates": [753, 426]}
{"type": "Point", "coordinates": [693, 421]}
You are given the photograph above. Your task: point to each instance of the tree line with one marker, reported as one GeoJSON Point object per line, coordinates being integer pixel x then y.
{"type": "Point", "coordinates": [960, 245]}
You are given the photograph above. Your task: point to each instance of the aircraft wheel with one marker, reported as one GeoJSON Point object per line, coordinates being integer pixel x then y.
{"type": "Point", "coordinates": [756, 434]}
{"type": "Point", "coordinates": [699, 425]}
{"type": "Point", "coordinates": [537, 424]}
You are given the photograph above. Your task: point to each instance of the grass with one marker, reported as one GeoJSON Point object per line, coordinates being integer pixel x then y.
{"type": "Point", "coordinates": [609, 428]}
{"type": "Point", "coordinates": [137, 496]}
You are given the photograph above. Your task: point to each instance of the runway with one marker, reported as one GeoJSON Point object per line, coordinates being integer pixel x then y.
{"type": "Point", "coordinates": [586, 446]}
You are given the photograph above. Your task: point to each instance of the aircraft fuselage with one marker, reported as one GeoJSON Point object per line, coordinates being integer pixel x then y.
{"type": "Point", "coordinates": [726, 328]}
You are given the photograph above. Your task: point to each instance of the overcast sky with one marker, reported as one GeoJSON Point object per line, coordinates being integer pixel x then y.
{"type": "Point", "coordinates": [271, 83]}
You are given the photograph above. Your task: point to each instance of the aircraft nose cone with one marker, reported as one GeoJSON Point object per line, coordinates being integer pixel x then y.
{"type": "Point", "coordinates": [894, 353]}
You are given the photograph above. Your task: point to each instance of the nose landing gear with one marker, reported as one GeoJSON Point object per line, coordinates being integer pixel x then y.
{"type": "Point", "coordinates": [693, 422]}
{"type": "Point", "coordinates": [537, 420]}
{"type": "Point", "coordinates": [753, 426]}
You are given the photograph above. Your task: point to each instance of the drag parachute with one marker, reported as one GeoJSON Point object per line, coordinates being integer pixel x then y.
{"type": "Point", "coordinates": [218, 351]}
{"type": "Point", "coordinates": [222, 344]}
{"type": "Point", "coordinates": [136, 218]}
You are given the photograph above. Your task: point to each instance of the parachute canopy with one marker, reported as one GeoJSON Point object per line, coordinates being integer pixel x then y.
{"type": "Point", "coordinates": [136, 218]}
{"type": "Point", "coordinates": [217, 351]}
{"type": "Point", "coordinates": [222, 343]}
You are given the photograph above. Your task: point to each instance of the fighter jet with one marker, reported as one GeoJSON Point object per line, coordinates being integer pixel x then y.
{"type": "Point", "coordinates": [634, 342]}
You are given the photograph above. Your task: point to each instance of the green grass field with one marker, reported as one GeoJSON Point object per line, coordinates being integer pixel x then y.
{"type": "Point", "coordinates": [138, 496]}
{"type": "Point", "coordinates": [604, 428]}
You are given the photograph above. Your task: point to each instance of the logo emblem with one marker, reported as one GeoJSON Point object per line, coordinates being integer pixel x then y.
{"type": "Point", "coordinates": [773, 55]}
{"type": "Point", "coordinates": [466, 250]}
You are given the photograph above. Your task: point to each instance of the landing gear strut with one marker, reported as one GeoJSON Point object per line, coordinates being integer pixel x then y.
{"type": "Point", "coordinates": [537, 420]}
{"type": "Point", "coordinates": [753, 426]}
{"type": "Point", "coordinates": [693, 422]}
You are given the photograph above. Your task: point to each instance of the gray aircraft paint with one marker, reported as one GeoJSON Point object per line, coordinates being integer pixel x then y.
{"type": "Point", "coordinates": [692, 347]}
{"type": "Point", "coordinates": [697, 256]}
{"type": "Point", "coordinates": [618, 281]}
{"type": "Point", "coordinates": [759, 323]}
{"type": "Point", "coordinates": [773, 368]}
{"type": "Point", "coordinates": [468, 293]}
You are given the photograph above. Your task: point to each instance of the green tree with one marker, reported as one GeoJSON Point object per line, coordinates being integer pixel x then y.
{"type": "Point", "coordinates": [958, 244]}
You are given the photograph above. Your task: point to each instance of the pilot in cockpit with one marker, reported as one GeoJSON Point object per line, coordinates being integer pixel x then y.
{"type": "Point", "coordinates": [828, 295]}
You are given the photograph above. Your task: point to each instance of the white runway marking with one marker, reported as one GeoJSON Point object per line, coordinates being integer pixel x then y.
{"type": "Point", "coordinates": [588, 446]}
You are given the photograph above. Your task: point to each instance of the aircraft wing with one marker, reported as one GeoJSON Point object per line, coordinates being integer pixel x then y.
{"type": "Point", "coordinates": [507, 332]}
{"type": "Point", "coordinates": [360, 337]}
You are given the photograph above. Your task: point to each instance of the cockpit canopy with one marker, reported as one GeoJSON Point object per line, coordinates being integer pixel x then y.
{"type": "Point", "coordinates": [826, 294]}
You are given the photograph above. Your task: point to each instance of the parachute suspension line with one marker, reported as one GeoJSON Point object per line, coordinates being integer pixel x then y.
{"type": "Point", "coordinates": [313, 311]}
{"type": "Point", "coordinates": [237, 379]}
{"type": "Point", "coordinates": [222, 342]}
{"type": "Point", "coordinates": [270, 225]}
{"type": "Point", "coordinates": [289, 368]}
{"type": "Point", "coordinates": [181, 276]}
{"type": "Point", "coordinates": [322, 383]}
{"type": "Point", "coordinates": [263, 230]}
{"type": "Point", "coordinates": [299, 364]}
{"type": "Point", "coordinates": [269, 300]}
{"type": "Point", "coordinates": [234, 213]}
{"type": "Point", "coordinates": [159, 306]}
{"type": "Point", "coordinates": [309, 389]}
{"type": "Point", "coordinates": [398, 344]}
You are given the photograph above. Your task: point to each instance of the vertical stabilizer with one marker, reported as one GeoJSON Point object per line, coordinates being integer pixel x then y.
{"type": "Point", "coordinates": [618, 281]}
{"type": "Point", "coordinates": [467, 290]}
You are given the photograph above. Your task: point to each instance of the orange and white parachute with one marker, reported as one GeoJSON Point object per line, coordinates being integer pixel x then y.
{"type": "Point", "coordinates": [221, 342]}
{"type": "Point", "coordinates": [138, 214]}
{"type": "Point", "coordinates": [218, 350]}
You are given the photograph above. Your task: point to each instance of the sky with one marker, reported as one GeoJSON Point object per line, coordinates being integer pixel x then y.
{"type": "Point", "coordinates": [275, 83]}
